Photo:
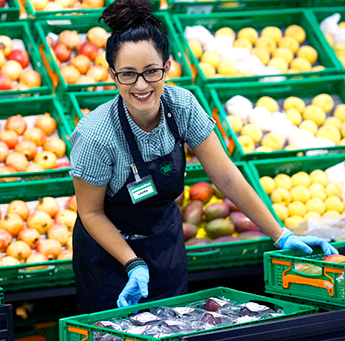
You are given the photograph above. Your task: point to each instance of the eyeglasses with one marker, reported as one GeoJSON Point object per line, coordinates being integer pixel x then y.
{"type": "Point", "coordinates": [131, 77]}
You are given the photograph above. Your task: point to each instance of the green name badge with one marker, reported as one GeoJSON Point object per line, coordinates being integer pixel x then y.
{"type": "Point", "coordinates": [142, 190]}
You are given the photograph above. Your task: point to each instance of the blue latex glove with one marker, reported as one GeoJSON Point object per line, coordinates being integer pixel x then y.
{"type": "Point", "coordinates": [136, 287]}
{"type": "Point", "coordinates": [289, 241]}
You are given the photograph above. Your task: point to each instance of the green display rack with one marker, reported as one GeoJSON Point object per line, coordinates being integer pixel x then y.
{"type": "Point", "coordinates": [281, 277]}
{"type": "Point", "coordinates": [321, 3]}
{"type": "Point", "coordinates": [258, 20]}
{"type": "Point", "coordinates": [320, 14]}
{"type": "Point", "coordinates": [28, 106]}
{"type": "Point", "coordinates": [81, 100]}
{"type": "Point", "coordinates": [21, 30]}
{"type": "Point", "coordinates": [59, 272]}
{"type": "Point", "coordinates": [10, 13]}
{"type": "Point", "coordinates": [81, 25]}
{"type": "Point", "coordinates": [230, 254]}
{"type": "Point", "coordinates": [306, 89]}
{"type": "Point", "coordinates": [289, 166]}
{"type": "Point", "coordinates": [80, 327]}
{"type": "Point", "coordinates": [51, 15]}
{"type": "Point", "coordinates": [208, 6]}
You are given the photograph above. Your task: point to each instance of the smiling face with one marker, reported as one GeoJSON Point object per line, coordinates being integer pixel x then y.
{"type": "Point", "coordinates": [141, 98]}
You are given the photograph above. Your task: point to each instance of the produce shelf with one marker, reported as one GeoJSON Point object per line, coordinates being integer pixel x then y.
{"type": "Point", "coordinates": [282, 278]}
{"type": "Point", "coordinates": [208, 6]}
{"type": "Point", "coordinates": [59, 272]}
{"type": "Point", "coordinates": [257, 20]}
{"type": "Point", "coordinates": [80, 327]}
{"type": "Point", "coordinates": [229, 254]}
{"type": "Point", "coordinates": [42, 28]}
{"type": "Point", "coordinates": [21, 30]}
{"type": "Point", "coordinates": [51, 15]}
{"type": "Point", "coordinates": [289, 166]}
{"type": "Point", "coordinates": [10, 12]}
{"type": "Point", "coordinates": [91, 100]}
{"type": "Point", "coordinates": [305, 89]}
{"type": "Point", "coordinates": [32, 106]}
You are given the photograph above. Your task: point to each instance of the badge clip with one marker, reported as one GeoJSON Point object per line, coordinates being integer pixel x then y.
{"type": "Point", "coordinates": [135, 173]}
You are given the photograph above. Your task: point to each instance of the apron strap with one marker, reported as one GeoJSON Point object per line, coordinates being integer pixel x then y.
{"type": "Point", "coordinates": [133, 146]}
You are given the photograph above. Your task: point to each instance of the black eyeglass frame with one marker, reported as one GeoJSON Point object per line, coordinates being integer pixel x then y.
{"type": "Point", "coordinates": [139, 74]}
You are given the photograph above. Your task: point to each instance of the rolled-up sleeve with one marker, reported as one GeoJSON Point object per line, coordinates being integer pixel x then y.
{"type": "Point", "coordinates": [89, 158]}
{"type": "Point", "coordinates": [200, 124]}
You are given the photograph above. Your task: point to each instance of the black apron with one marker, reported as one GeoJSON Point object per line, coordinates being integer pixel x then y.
{"type": "Point", "coordinates": [154, 227]}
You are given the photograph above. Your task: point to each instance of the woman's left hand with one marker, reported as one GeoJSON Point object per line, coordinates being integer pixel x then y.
{"type": "Point", "coordinates": [289, 241]}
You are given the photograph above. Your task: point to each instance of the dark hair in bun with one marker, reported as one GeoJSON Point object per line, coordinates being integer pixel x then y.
{"type": "Point", "coordinates": [132, 21]}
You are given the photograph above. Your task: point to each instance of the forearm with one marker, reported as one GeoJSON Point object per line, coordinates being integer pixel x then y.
{"type": "Point", "coordinates": [237, 189]}
{"type": "Point", "coordinates": [106, 234]}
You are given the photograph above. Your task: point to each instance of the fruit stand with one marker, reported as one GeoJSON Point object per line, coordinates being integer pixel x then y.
{"type": "Point", "coordinates": [271, 75]}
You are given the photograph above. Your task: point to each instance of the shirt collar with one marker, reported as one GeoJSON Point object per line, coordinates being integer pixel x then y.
{"type": "Point", "coordinates": [138, 132]}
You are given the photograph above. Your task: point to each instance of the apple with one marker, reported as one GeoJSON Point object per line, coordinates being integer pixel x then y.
{"type": "Point", "coordinates": [334, 259]}
{"type": "Point", "coordinates": [21, 57]}
{"type": "Point", "coordinates": [5, 239]}
{"type": "Point", "coordinates": [16, 123]}
{"type": "Point", "coordinates": [5, 82]}
{"type": "Point", "coordinates": [89, 50]}
{"type": "Point", "coordinates": [46, 159]}
{"type": "Point", "coordinates": [10, 137]}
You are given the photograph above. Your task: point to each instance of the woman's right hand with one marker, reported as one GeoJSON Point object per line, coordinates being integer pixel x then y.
{"type": "Point", "coordinates": [136, 287]}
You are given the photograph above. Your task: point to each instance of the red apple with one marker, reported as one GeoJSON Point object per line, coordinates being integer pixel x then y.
{"type": "Point", "coordinates": [16, 123]}
{"type": "Point", "coordinates": [5, 82]}
{"type": "Point", "coordinates": [335, 259]}
{"type": "Point", "coordinates": [21, 57]}
{"type": "Point", "coordinates": [5, 239]}
{"type": "Point", "coordinates": [62, 52]}
{"type": "Point", "coordinates": [89, 50]}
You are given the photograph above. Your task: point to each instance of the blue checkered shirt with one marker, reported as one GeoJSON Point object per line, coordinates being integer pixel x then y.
{"type": "Point", "coordinates": [100, 153]}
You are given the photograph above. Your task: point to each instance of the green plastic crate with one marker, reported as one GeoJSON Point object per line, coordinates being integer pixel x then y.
{"type": "Point", "coordinates": [230, 254]}
{"type": "Point", "coordinates": [42, 28]}
{"type": "Point", "coordinates": [21, 30]}
{"type": "Point", "coordinates": [41, 15]}
{"type": "Point", "coordinates": [28, 106]}
{"type": "Point", "coordinates": [320, 14]}
{"type": "Point", "coordinates": [258, 20]}
{"type": "Point", "coordinates": [1, 296]}
{"type": "Point", "coordinates": [289, 166]}
{"type": "Point", "coordinates": [195, 6]}
{"type": "Point", "coordinates": [59, 272]}
{"type": "Point", "coordinates": [282, 279]}
{"type": "Point", "coordinates": [10, 13]}
{"type": "Point", "coordinates": [78, 328]}
{"type": "Point", "coordinates": [320, 3]}
{"type": "Point", "coordinates": [303, 88]}
{"type": "Point", "coordinates": [81, 100]}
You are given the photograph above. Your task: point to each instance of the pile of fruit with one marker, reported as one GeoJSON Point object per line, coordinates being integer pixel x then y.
{"type": "Point", "coordinates": [27, 145]}
{"type": "Point", "coordinates": [197, 316]}
{"type": "Point", "coordinates": [209, 217]}
{"type": "Point", "coordinates": [273, 51]}
{"type": "Point", "coordinates": [303, 196]}
{"type": "Point", "coordinates": [16, 71]}
{"type": "Point", "coordinates": [37, 231]}
{"type": "Point", "coordinates": [296, 124]}
{"type": "Point", "coordinates": [334, 34]}
{"type": "Point", "coordinates": [62, 5]}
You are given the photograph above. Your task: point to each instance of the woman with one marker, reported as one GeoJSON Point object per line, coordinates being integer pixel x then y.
{"type": "Point", "coordinates": [128, 166]}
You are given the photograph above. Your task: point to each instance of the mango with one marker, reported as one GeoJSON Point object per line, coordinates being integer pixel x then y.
{"type": "Point", "coordinates": [217, 210]}
{"type": "Point", "coordinates": [192, 213]}
{"type": "Point", "coordinates": [189, 230]}
{"type": "Point", "coordinates": [217, 192]}
{"type": "Point", "coordinates": [251, 235]}
{"type": "Point", "coordinates": [201, 191]}
{"type": "Point", "coordinates": [196, 241]}
{"type": "Point", "coordinates": [219, 227]}
{"type": "Point", "coordinates": [242, 222]}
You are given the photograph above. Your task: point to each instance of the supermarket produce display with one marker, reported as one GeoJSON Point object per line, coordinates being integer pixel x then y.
{"type": "Point", "coordinates": [271, 75]}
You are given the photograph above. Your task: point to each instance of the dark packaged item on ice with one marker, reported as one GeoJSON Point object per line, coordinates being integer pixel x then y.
{"type": "Point", "coordinates": [176, 326]}
{"type": "Point", "coordinates": [215, 319]}
{"type": "Point", "coordinates": [108, 337]}
{"type": "Point", "coordinates": [105, 324]}
{"type": "Point", "coordinates": [164, 312]}
{"type": "Point", "coordinates": [254, 309]}
{"type": "Point", "coordinates": [215, 304]}
{"type": "Point", "coordinates": [188, 313]}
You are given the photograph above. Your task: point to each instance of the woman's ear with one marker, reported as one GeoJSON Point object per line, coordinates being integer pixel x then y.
{"type": "Point", "coordinates": [112, 75]}
{"type": "Point", "coordinates": [167, 67]}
